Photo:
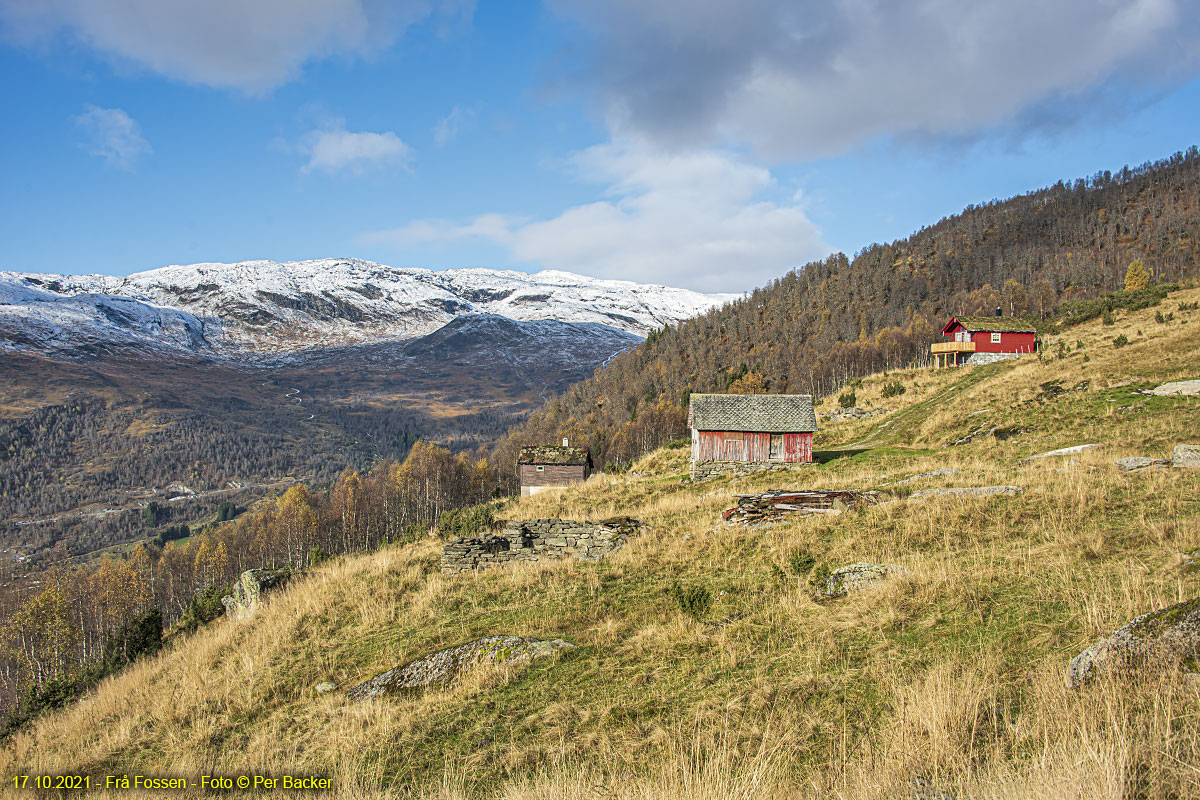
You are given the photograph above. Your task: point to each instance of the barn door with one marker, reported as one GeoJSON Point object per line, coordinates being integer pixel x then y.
{"type": "Point", "coordinates": [776, 451]}
{"type": "Point", "coordinates": [733, 450]}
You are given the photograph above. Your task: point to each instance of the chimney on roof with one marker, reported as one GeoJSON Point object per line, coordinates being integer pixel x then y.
{"type": "Point", "coordinates": [565, 442]}
{"type": "Point", "coordinates": [999, 313]}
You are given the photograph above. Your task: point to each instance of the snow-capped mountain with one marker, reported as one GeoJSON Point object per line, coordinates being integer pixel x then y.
{"type": "Point", "coordinates": [269, 308]}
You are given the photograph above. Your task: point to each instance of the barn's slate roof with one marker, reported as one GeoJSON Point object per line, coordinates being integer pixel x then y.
{"type": "Point", "coordinates": [762, 413]}
{"type": "Point", "coordinates": [1005, 324]}
{"type": "Point", "coordinates": [551, 454]}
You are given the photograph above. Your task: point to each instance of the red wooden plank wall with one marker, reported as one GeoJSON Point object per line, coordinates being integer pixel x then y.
{"type": "Point", "coordinates": [746, 446]}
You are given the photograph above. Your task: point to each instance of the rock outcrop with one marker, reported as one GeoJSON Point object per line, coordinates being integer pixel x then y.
{"type": "Point", "coordinates": [1186, 456]}
{"type": "Point", "coordinates": [446, 666]}
{"type": "Point", "coordinates": [944, 472]}
{"type": "Point", "coordinates": [248, 590]}
{"type": "Point", "coordinates": [1062, 451]}
{"type": "Point", "coordinates": [1140, 464]}
{"type": "Point", "coordinates": [856, 577]}
{"type": "Point", "coordinates": [539, 540]}
{"type": "Point", "coordinates": [1176, 388]}
{"type": "Point", "coordinates": [1161, 639]}
{"type": "Point", "coordinates": [966, 491]}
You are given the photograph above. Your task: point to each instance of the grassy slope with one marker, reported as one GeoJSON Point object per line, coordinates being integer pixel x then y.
{"type": "Point", "coordinates": [952, 673]}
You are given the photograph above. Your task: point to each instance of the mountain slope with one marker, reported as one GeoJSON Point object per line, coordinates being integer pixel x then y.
{"type": "Point", "coordinates": [814, 329]}
{"type": "Point", "coordinates": [704, 667]}
{"type": "Point", "coordinates": [256, 308]}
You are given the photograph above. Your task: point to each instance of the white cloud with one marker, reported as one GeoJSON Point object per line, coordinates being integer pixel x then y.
{"type": "Point", "coordinates": [805, 78]}
{"type": "Point", "coordinates": [251, 45]}
{"type": "Point", "coordinates": [341, 151]}
{"type": "Point", "coordinates": [113, 135]}
{"type": "Point", "coordinates": [449, 126]}
{"type": "Point", "coordinates": [696, 220]}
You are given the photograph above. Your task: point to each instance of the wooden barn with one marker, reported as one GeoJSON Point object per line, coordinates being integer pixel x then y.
{"type": "Point", "coordinates": [753, 429]}
{"type": "Point", "coordinates": [982, 340]}
{"type": "Point", "coordinates": [544, 467]}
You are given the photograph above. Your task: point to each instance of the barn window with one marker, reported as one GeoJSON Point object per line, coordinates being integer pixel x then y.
{"type": "Point", "coordinates": [540, 468]}
{"type": "Point", "coordinates": [776, 453]}
{"type": "Point", "coordinates": [995, 338]}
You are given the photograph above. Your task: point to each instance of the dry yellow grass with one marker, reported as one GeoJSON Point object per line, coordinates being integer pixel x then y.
{"type": "Point", "coordinates": [949, 676]}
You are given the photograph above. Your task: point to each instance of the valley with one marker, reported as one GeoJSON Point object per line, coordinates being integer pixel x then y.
{"type": "Point", "coordinates": [234, 379]}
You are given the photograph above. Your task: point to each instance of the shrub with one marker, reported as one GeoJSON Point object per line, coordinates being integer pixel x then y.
{"type": "Point", "coordinates": [683, 441]}
{"type": "Point", "coordinates": [847, 398]}
{"type": "Point", "coordinates": [468, 520]}
{"type": "Point", "coordinates": [1121, 341]}
{"type": "Point", "coordinates": [1189, 306]}
{"type": "Point", "coordinates": [1107, 318]}
{"type": "Point", "coordinates": [316, 555]}
{"type": "Point", "coordinates": [693, 601]}
{"type": "Point", "coordinates": [801, 562]}
{"type": "Point", "coordinates": [204, 608]}
{"type": "Point", "coordinates": [893, 389]}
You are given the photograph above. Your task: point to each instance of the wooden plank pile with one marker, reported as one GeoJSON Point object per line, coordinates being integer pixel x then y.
{"type": "Point", "coordinates": [809, 502]}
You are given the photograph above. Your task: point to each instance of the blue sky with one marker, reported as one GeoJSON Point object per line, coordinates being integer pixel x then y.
{"type": "Point", "coordinates": [707, 144]}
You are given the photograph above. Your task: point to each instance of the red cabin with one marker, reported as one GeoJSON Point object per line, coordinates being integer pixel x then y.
{"type": "Point", "coordinates": [982, 340]}
{"type": "Point", "coordinates": [734, 433]}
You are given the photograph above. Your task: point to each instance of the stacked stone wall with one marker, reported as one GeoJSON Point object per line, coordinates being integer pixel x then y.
{"type": "Point", "coordinates": [706, 470]}
{"type": "Point", "coordinates": [538, 540]}
{"type": "Point", "coordinates": [979, 359]}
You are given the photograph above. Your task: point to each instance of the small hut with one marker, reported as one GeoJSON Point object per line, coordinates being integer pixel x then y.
{"type": "Point", "coordinates": [544, 467]}
{"type": "Point", "coordinates": [982, 340]}
{"type": "Point", "coordinates": [738, 433]}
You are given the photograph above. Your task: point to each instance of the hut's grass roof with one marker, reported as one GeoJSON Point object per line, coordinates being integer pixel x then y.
{"type": "Point", "coordinates": [552, 454]}
{"type": "Point", "coordinates": [1006, 324]}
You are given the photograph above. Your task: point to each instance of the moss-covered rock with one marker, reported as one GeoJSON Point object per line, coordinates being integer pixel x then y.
{"type": "Point", "coordinates": [1161, 639]}
{"type": "Point", "coordinates": [855, 577]}
{"type": "Point", "coordinates": [247, 592]}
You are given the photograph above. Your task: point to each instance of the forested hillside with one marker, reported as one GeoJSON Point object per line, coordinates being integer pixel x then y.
{"type": "Point", "coordinates": [812, 329]}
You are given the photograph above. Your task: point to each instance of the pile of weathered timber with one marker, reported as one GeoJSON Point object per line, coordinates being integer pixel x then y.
{"type": "Point", "coordinates": [775, 503]}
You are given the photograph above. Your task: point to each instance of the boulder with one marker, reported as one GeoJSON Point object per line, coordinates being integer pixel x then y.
{"type": "Point", "coordinates": [1186, 456]}
{"type": "Point", "coordinates": [249, 589]}
{"type": "Point", "coordinates": [944, 472]}
{"type": "Point", "coordinates": [1160, 639]}
{"type": "Point", "coordinates": [966, 491]}
{"type": "Point", "coordinates": [325, 687]}
{"type": "Point", "coordinates": [856, 577]}
{"type": "Point", "coordinates": [1062, 451]}
{"type": "Point", "coordinates": [1140, 464]}
{"type": "Point", "coordinates": [445, 666]}
{"type": "Point", "coordinates": [1177, 388]}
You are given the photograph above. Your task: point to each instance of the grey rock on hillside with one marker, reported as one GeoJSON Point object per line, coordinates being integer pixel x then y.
{"type": "Point", "coordinates": [1160, 639]}
{"type": "Point", "coordinates": [247, 592]}
{"type": "Point", "coordinates": [1140, 464]}
{"type": "Point", "coordinates": [1177, 388]}
{"type": "Point", "coordinates": [856, 577]}
{"type": "Point", "coordinates": [1186, 456]}
{"type": "Point", "coordinates": [445, 666]}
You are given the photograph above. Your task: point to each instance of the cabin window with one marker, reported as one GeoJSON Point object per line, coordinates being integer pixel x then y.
{"type": "Point", "coordinates": [995, 338]}
{"type": "Point", "coordinates": [539, 468]}
{"type": "Point", "coordinates": [776, 453]}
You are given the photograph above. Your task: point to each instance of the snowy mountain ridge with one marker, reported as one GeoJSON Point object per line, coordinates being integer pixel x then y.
{"type": "Point", "coordinates": [268, 308]}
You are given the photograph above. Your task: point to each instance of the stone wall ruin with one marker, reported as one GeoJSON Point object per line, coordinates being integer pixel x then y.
{"type": "Point", "coordinates": [538, 540]}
